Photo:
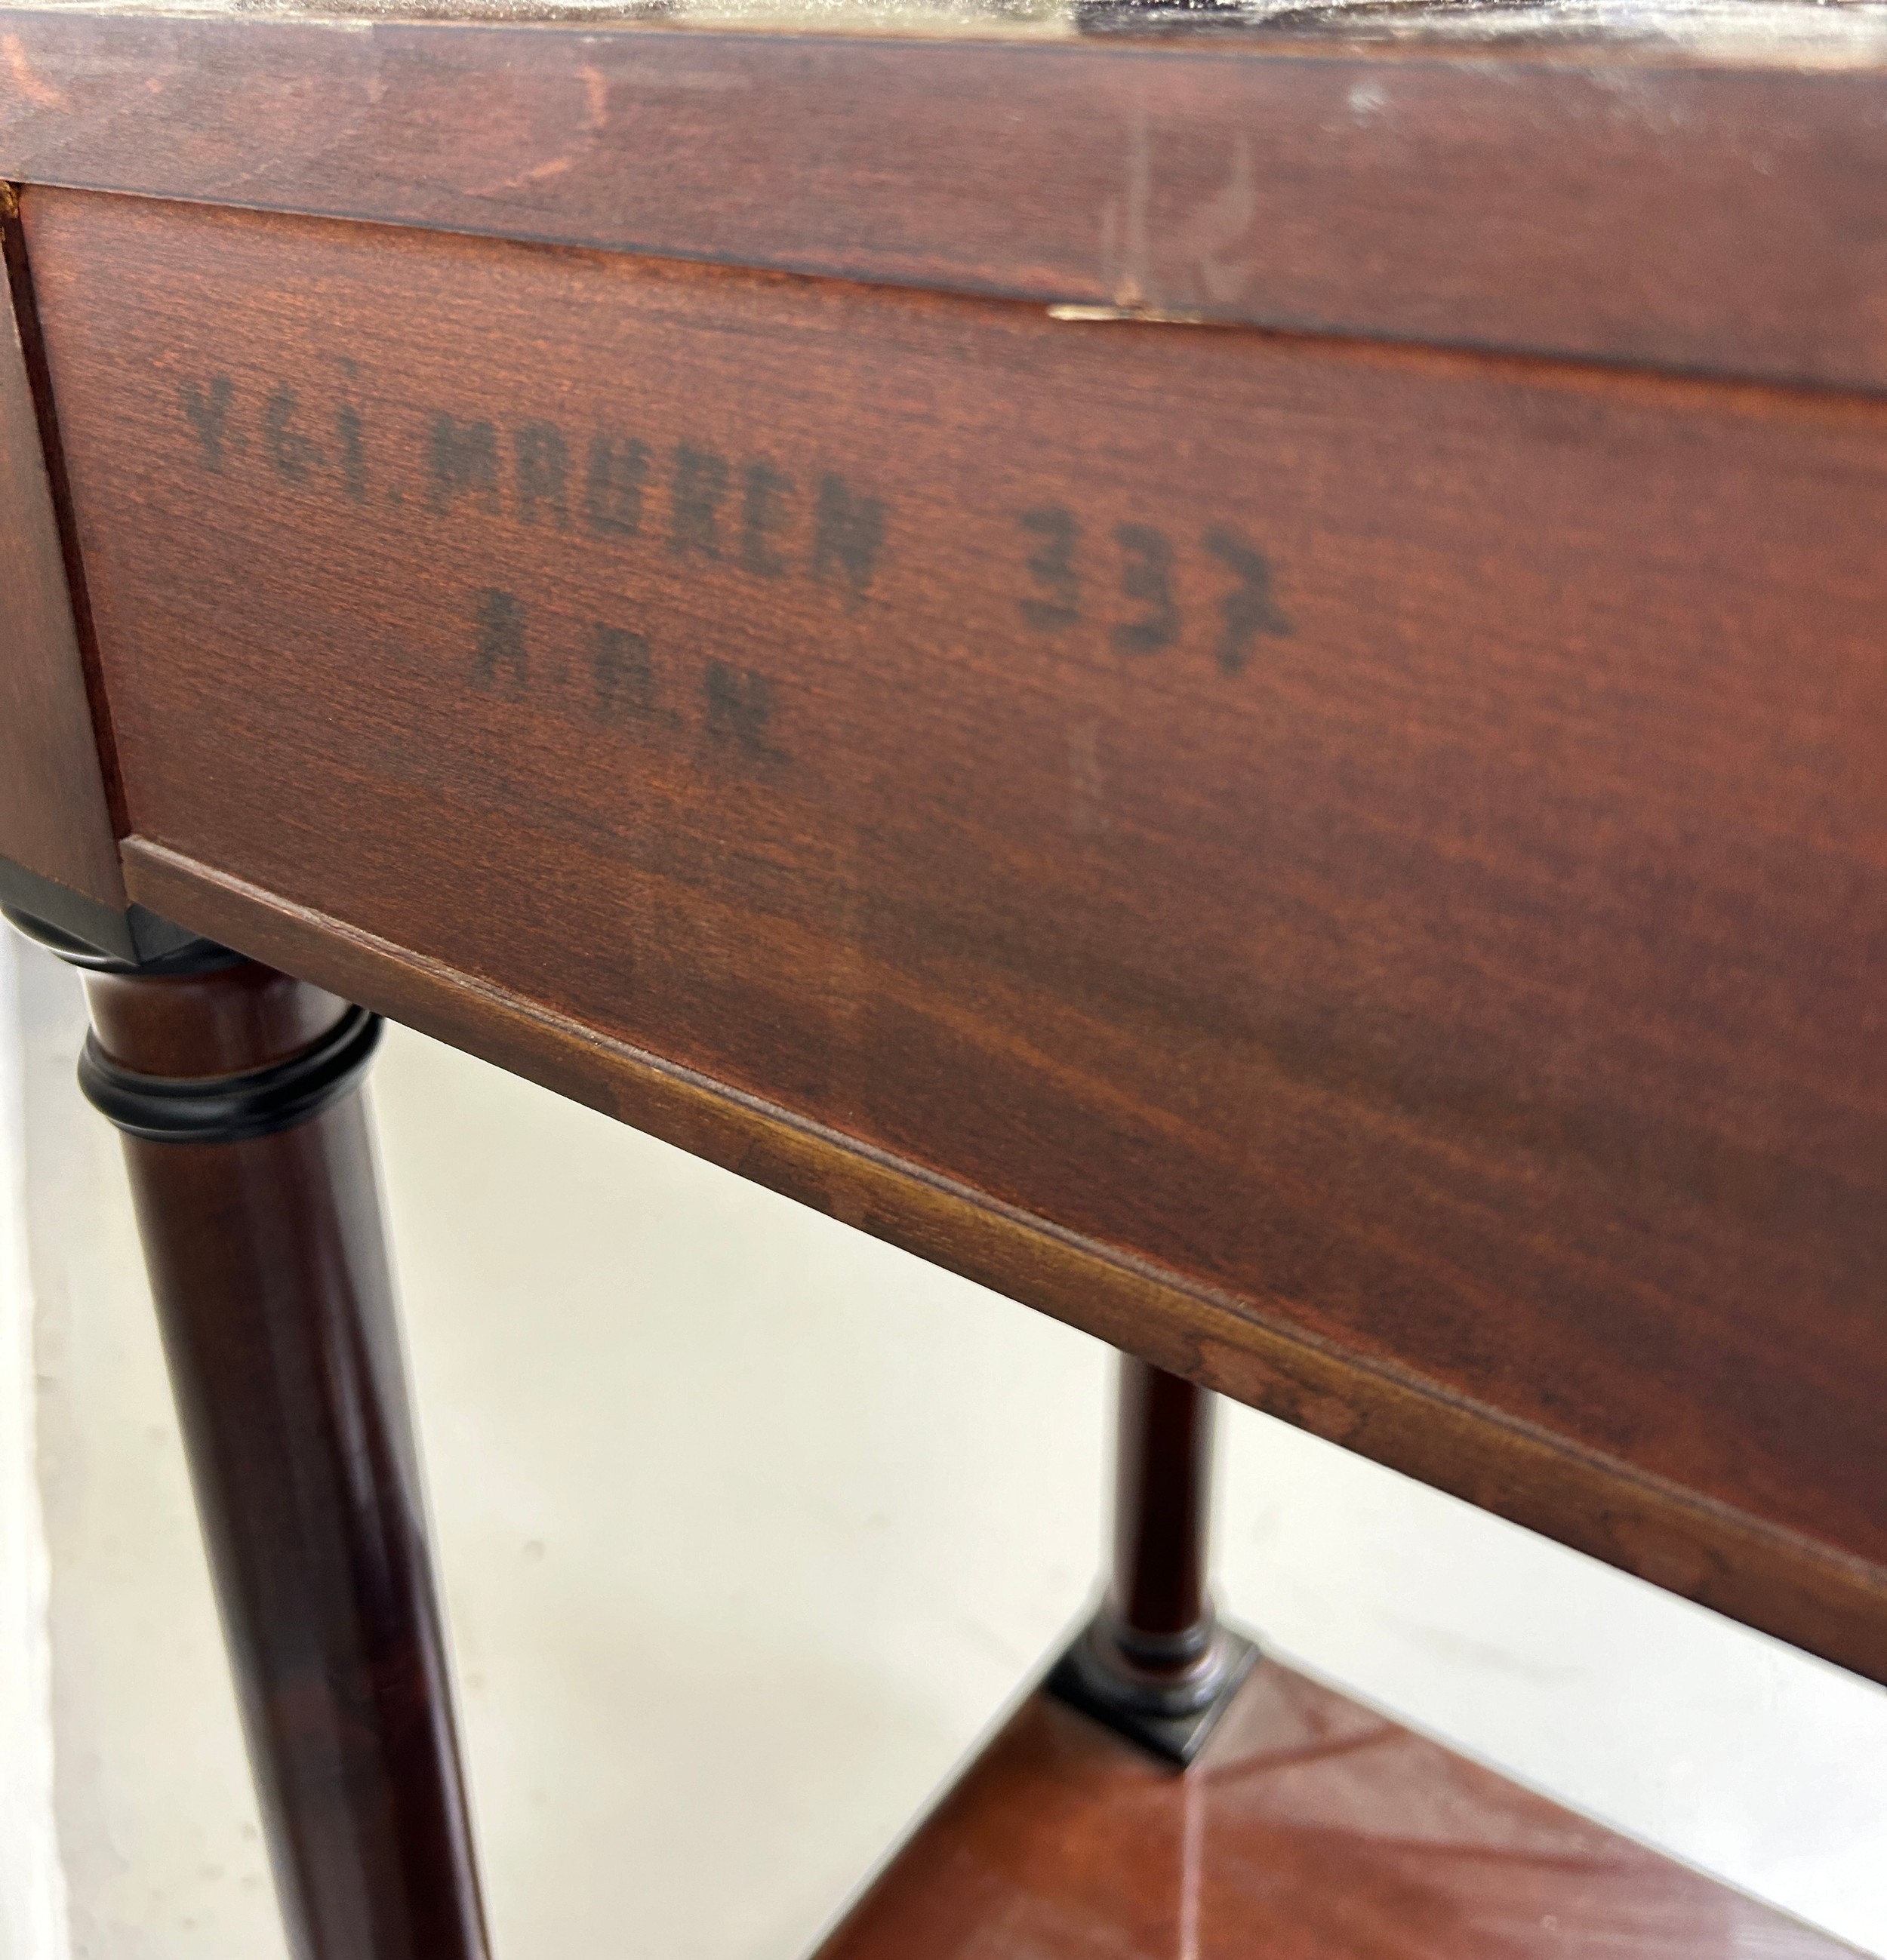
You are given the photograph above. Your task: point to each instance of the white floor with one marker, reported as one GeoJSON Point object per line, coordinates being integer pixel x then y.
{"type": "Point", "coordinates": [749, 1526]}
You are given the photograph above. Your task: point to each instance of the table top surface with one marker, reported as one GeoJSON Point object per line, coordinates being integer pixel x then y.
{"type": "Point", "coordinates": [1809, 33]}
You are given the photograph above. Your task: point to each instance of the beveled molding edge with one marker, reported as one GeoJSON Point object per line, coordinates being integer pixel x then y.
{"type": "Point", "coordinates": [1781, 1584]}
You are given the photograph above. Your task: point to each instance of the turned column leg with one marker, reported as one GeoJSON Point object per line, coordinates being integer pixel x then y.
{"type": "Point", "coordinates": [1155, 1662]}
{"type": "Point", "coordinates": [237, 1090]}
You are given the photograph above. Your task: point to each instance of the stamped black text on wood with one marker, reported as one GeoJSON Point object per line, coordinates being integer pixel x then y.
{"type": "Point", "coordinates": [1131, 588]}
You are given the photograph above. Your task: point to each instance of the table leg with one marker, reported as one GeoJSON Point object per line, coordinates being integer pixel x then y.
{"type": "Point", "coordinates": [238, 1090]}
{"type": "Point", "coordinates": [1155, 1662]}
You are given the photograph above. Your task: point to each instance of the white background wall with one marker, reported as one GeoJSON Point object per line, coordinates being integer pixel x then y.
{"type": "Point", "coordinates": [32, 1900]}
{"type": "Point", "coordinates": [749, 1526]}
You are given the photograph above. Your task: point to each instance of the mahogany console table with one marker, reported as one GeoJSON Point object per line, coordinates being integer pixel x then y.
{"type": "Point", "coordinates": [1227, 668]}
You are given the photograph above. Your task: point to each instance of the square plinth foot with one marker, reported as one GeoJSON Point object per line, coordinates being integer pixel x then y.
{"type": "Point", "coordinates": [1076, 1679]}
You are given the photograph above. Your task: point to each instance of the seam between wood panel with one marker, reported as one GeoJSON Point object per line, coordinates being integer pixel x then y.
{"type": "Point", "coordinates": [39, 376]}
{"type": "Point", "coordinates": [1217, 1344]}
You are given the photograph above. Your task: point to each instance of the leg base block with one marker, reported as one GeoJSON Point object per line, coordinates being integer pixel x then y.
{"type": "Point", "coordinates": [1082, 1680]}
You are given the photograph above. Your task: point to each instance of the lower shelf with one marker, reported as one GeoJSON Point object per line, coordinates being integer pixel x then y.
{"type": "Point", "coordinates": [1308, 1826]}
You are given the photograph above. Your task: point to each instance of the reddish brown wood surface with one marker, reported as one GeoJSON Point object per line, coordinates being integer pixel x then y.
{"type": "Point", "coordinates": [57, 854]}
{"type": "Point", "coordinates": [1773, 1579]}
{"type": "Point", "coordinates": [1598, 200]}
{"type": "Point", "coordinates": [1158, 1598]}
{"type": "Point", "coordinates": [1372, 862]}
{"type": "Point", "coordinates": [1309, 1829]}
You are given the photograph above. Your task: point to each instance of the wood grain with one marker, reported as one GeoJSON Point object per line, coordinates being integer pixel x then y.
{"type": "Point", "coordinates": [57, 858]}
{"type": "Point", "coordinates": [1310, 1828]}
{"type": "Point", "coordinates": [1788, 1585]}
{"type": "Point", "coordinates": [1603, 202]}
{"type": "Point", "coordinates": [1382, 852]}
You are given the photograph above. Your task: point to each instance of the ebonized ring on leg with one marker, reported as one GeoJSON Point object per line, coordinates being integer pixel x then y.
{"type": "Point", "coordinates": [232, 1109]}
